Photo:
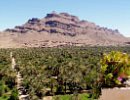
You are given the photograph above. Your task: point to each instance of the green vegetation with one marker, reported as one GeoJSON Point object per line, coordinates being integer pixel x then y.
{"type": "Point", "coordinates": [52, 71]}
{"type": "Point", "coordinates": [83, 96]}
{"type": "Point", "coordinates": [7, 77]}
{"type": "Point", "coordinates": [115, 67]}
{"type": "Point", "coordinates": [65, 73]}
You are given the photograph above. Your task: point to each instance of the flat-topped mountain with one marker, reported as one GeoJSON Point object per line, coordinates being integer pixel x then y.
{"type": "Point", "coordinates": [61, 29]}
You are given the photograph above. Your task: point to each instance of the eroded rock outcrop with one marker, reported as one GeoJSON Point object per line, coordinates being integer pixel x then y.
{"type": "Point", "coordinates": [64, 24]}
{"type": "Point", "coordinates": [61, 29]}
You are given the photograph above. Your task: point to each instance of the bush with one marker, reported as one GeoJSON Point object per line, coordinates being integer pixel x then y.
{"type": "Point", "coordinates": [115, 67]}
{"type": "Point", "coordinates": [14, 94]}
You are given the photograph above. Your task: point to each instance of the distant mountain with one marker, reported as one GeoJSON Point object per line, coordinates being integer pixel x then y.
{"type": "Point", "coordinates": [62, 29]}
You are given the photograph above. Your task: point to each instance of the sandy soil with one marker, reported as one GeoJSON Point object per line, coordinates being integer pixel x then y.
{"type": "Point", "coordinates": [34, 39]}
{"type": "Point", "coordinates": [115, 94]}
{"type": "Point", "coordinates": [47, 98]}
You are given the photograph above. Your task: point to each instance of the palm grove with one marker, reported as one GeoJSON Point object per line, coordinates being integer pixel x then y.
{"type": "Point", "coordinates": [60, 71]}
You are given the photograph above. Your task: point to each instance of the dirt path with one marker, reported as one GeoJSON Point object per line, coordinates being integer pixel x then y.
{"type": "Point", "coordinates": [47, 98]}
{"type": "Point", "coordinates": [21, 89]}
{"type": "Point", "coordinates": [13, 64]}
{"type": "Point", "coordinates": [116, 94]}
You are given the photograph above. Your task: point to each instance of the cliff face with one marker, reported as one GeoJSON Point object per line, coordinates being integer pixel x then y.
{"type": "Point", "coordinates": [62, 29]}
{"type": "Point", "coordinates": [64, 24]}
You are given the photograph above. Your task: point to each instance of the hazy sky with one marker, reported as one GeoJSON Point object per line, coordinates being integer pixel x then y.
{"type": "Point", "coordinates": [113, 14]}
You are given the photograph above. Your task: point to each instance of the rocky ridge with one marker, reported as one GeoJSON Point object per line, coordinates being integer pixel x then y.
{"type": "Point", "coordinates": [62, 23]}
{"type": "Point", "coordinates": [63, 29]}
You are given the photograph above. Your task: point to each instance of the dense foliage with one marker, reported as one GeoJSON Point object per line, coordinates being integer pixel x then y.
{"type": "Point", "coordinates": [115, 67]}
{"type": "Point", "coordinates": [7, 77]}
{"type": "Point", "coordinates": [52, 71]}
{"type": "Point", "coordinates": [59, 71]}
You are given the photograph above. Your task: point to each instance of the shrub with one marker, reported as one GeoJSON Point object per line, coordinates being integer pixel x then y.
{"type": "Point", "coordinates": [115, 67]}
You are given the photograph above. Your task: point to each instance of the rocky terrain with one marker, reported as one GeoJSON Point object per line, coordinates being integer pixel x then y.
{"type": "Point", "coordinates": [60, 30]}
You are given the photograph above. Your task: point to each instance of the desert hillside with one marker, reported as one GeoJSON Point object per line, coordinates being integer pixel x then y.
{"type": "Point", "coordinates": [59, 30]}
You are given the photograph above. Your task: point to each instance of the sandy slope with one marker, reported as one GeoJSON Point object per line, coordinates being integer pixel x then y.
{"type": "Point", "coordinates": [33, 39]}
{"type": "Point", "coordinates": [7, 41]}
